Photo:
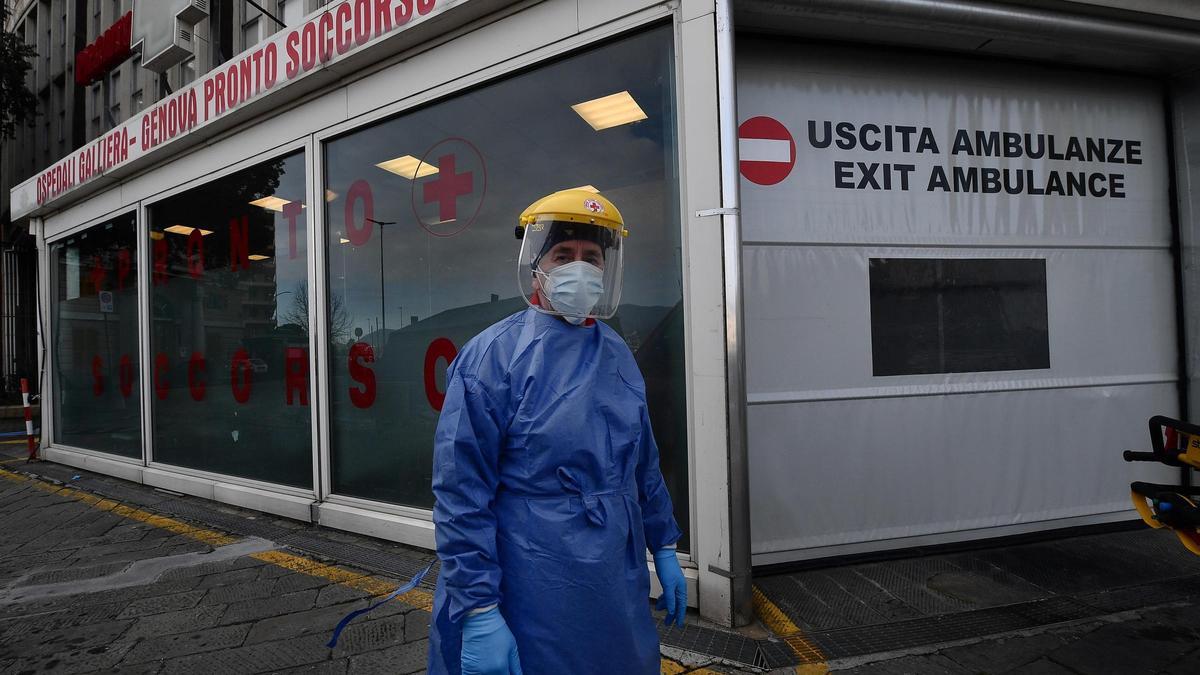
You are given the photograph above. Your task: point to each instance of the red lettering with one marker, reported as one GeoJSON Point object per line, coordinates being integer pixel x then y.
{"type": "Point", "coordinates": [195, 253]}
{"type": "Point", "coordinates": [365, 397]}
{"type": "Point", "coordinates": [292, 211]}
{"type": "Point", "coordinates": [241, 363]}
{"type": "Point", "coordinates": [325, 44]}
{"type": "Point", "coordinates": [239, 243]}
{"type": "Point", "coordinates": [308, 46]}
{"type": "Point", "coordinates": [343, 37]}
{"type": "Point", "coordinates": [97, 274]}
{"type": "Point", "coordinates": [296, 373]}
{"type": "Point", "coordinates": [425, 6]}
{"type": "Point", "coordinates": [404, 10]}
{"type": "Point", "coordinates": [125, 375]}
{"type": "Point", "coordinates": [359, 189]}
{"type": "Point", "coordinates": [209, 89]}
{"type": "Point", "coordinates": [383, 16]}
{"type": "Point", "coordinates": [441, 348]}
{"type": "Point", "coordinates": [231, 87]}
{"type": "Point", "coordinates": [124, 267]}
{"type": "Point", "coordinates": [160, 376]}
{"type": "Point", "coordinates": [160, 262]}
{"type": "Point", "coordinates": [362, 22]}
{"type": "Point", "coordinates": [271, 64]}
{"type": "Point", "coordinates": [293, 57]}
{"type": "Point", "coordinates": [97, 376]}
{"type": "Point", "coordinates": [197, 368]}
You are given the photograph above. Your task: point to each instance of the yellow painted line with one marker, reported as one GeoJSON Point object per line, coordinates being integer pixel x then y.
{"type": "Point", "coordinates": [22, 441]}
{"type": "Point", "coordinates": [670, 667]}
{"type": "Point", "coordinates": [13, 461]}
{"type": "Point", "coordinates": [357, 580]}
{"type": "Point", "coordinates": [812, 659]}
{"type": "Point", "coordinates": [210, 537]}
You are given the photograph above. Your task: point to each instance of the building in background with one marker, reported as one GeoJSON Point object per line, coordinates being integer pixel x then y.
{"type": "Point", "coordinates": [76, 107]}
{"type": "Point", "coordinates": [899, 273]}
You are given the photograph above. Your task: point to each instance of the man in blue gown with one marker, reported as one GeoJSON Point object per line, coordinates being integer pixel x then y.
{"type": "Point", "coordinates": [546, 474]}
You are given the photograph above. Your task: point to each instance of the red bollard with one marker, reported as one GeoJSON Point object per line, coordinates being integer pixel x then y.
{"type": "Point", "coordinates": [28, 420]}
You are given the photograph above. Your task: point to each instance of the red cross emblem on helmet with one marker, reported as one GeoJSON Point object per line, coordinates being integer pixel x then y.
{"type": "Point", "coordinates": [593, 206]}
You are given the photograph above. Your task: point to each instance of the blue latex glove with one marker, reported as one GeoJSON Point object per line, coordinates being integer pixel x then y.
{"type": "Point", "coordinates": [674, 595]}
{"type": "Point", "coordinates": [488, 647]}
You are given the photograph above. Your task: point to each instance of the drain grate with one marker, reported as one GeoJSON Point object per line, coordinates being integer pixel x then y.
{"type": "Point", "coordinates": [728, 646]}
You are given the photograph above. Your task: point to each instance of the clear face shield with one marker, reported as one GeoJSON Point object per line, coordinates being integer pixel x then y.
{"type": "Point", "coordinates": [569, 269]}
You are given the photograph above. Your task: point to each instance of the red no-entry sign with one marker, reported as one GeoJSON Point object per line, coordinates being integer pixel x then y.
{"type": "Point", "coordinates": [766, 150]}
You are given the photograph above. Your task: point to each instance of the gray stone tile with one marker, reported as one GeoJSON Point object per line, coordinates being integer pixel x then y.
{"type": "Point", "coordinates": [253, 610]}
{"type": "Point", "coordinates": [931, 664]}
{"type": "Point", "coordinates": [320, 622]}
{"type": "Point", "coordinates": [258, 658]}
{"type": "Point", "coordinates": [229, 578]}
{"type": "Point", "coordinates": [162, 603]}
{"type": "Point", "coordinates": [182, 621]}
{"type": "Point", "coordinates": [416, 626]}
{"type": "Point", "coordinates": [370, 635]}
{"type": "Point", "coordinates": [184, 644]}
{"type": "Point", "coordinates": [407, 658]}
{"type": "Point", "coordinates": [1005, 654]}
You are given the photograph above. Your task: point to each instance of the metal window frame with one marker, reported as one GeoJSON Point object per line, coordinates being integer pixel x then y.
{"type": "Point", "coordinates": [49, 396]}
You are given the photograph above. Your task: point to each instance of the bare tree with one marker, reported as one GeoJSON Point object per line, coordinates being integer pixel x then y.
{"type": "Point", "coordinates": [339, 318]}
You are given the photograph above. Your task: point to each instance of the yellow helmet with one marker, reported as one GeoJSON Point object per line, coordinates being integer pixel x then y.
{"type": "Point", "coordinates": [571, 257]}
{"type": "Point", "coordinates": [576, 205]}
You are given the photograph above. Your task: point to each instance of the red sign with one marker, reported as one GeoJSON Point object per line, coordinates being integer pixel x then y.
{"type": "Point", "coordinates": [109, 50]}
{"type": "Point", "coordinates": [766, 150]}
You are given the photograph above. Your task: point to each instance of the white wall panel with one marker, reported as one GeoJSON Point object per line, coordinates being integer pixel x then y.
{"type": "Point", "coordinates": [808, 314]}
{"type": "Point", "coordinates": [839, 472]}
{"type": "Point", "coordinates": [845, 460]}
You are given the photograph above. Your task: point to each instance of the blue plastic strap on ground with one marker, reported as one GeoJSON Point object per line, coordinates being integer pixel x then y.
{"type": "Point", "coordinates": [412, 583]}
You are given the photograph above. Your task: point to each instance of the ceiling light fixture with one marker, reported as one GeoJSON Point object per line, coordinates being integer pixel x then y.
{"type": "Point", "coordinates": [610, 111]}
{"type": "Point", "coordinates": [271, 203]}
{"type": "Point", "coordinates": [409, 167]}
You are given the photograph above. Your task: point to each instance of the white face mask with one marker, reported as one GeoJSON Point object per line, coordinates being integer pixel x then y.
{"type": "Point", "coordinates": [574, 289]}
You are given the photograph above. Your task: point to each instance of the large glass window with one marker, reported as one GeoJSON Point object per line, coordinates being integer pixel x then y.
{"type": "Point", "coordinates": [94, 303]}
{"type": "Point", "coordinates": [948, 315]}
{"type": "Point", "coordinates": [421, 212]}
{"type": "Point", "coordinates": [229, 326]}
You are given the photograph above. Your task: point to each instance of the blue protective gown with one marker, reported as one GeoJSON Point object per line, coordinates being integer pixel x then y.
{"type": "Point", "coordinates": [548, 495]}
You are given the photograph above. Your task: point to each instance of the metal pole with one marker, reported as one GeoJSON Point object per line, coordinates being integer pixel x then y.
{"type": "Point", "coordinates": [742, 590]}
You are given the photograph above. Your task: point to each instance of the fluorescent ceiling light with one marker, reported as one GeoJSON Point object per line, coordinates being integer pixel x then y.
{"type": "Point", "coordinates": [343, 240]}
{"type": "Point", "coordinates": [409, 167]}
{"type": "Point", "coordinates": [256, 257]}
{"type": "Point", "coordinates": [184, 229]}
{"type": "Point", "coordinates": [153, 235]}
{"type": "Point", "coordinates": [271, 203]}
{"type": "Point", "coordinates": [330, 195]}
{"type": "Point", "coordinates": [610, 111]}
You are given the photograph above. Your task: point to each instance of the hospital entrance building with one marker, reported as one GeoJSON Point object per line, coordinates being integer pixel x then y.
{"type": "Point", "coordinates": [898, 273]}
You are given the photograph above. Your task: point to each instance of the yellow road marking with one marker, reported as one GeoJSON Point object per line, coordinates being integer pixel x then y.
{"type": "Point", "coordinates": [357, 580]}
{"type": "Point", "coordinates": [210, 537]}
{"type": "Point", "coordinates": [812, 659]}
{"type": "Point", "coordinates": [670, 667]}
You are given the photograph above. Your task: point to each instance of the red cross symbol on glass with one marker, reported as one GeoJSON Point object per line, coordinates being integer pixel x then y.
{"type": "Point", "coordinates": [447, 188]}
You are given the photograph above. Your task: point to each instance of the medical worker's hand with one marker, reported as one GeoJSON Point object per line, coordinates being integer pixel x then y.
{"type": "Point", "coordinates": [674, 595]}
{"type": "Point", "coordinates": [488, 647]}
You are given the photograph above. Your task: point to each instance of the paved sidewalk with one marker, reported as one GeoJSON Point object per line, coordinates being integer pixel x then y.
{"type": "Point", "coordinates": [101, 575]}
{"type": "Point", "coordinates": [97, 574]}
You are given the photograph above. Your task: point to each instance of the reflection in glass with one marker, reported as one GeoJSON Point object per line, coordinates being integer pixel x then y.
{"type": "Point", "coordinates": [94, 306]}
{"type": "Point", "coordinates": [421, 211]}
{"type": "Point", "coordinates": [229, 326]}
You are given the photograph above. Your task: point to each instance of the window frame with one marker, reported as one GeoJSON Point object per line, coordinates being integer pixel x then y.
{"type": "Point", "coordinates": [49, 393]}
